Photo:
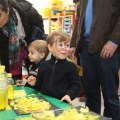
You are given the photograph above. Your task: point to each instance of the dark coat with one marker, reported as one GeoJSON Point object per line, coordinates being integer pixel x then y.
{"type": "Point", "coordinates": [57, 78]}
{"type": "Point", "coordinates": [105, 25]}
{"type": "Point", "coordinates": [33, 70]}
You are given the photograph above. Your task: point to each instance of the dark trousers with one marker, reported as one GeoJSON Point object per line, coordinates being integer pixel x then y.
{"type": "Point", "coordinates": [79, 62]}
{"type": "Point", "coordinates": [101, 72]}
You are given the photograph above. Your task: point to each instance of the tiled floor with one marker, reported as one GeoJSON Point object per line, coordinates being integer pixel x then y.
{"type": "Point", "coordinates": [78, 103]}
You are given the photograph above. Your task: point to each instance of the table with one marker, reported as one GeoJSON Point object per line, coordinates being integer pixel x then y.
{"type": "Point", "coordinates": [9, 114]}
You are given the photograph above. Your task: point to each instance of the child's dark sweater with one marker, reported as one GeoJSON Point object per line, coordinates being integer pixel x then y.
{"type": "Point", "coordinates": [57, 78]}
{"type": "Point", "coordinates": [33, 70]}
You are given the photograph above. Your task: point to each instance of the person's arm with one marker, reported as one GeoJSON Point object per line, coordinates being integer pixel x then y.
{"type": "Point", "coordinates": [75, 82]}
{"type": "Point", "coordinates": [114, 40]}
{"type": "Point", "coordinates": [74, 34]}
{"type": "Point", "coordinates": [115, 35]}
{"type": "Point", "coordinates": [75, 30]}
{"type": "Point", "coordinates": [39, 80]}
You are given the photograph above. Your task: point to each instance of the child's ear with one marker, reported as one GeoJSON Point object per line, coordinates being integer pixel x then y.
{"type": "Point", "coordinates": [42, 55]}
{"type": "Point", "coordinates": [50, 48]}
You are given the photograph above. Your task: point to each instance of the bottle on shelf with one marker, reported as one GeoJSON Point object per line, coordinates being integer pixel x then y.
{"type": "Point", "coordinates": [3, 90]}
{"type": "Point", "coordinates": [24, 71]}
{"type": "Point", "coordinates": [10, 83]}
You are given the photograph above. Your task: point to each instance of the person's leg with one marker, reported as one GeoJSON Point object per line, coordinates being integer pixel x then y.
{"type": "Point", "coordinates": [108, 69]}
{"type": "Point", "coordinates": [90, 80]}
{"type": "Point", "coordinates": [81, 94]}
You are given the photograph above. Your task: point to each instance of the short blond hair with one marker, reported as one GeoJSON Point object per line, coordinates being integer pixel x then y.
{"type": "Point", "coordinates": [40, 46]}
{"type": "Point", "coordinates": [61, 35]}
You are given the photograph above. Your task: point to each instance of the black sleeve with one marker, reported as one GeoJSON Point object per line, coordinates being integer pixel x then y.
{"type": "Point", "coordinates": [75, 82]}
{"type": "Point", "coordinates": [39, 80]}
{"type": "Point", "coordinates": [34, 18]}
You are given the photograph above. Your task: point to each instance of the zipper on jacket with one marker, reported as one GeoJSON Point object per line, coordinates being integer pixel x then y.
{"type": "Point", "coordinates": [51, 80]}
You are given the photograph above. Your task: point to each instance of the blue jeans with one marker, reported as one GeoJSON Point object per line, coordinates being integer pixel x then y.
{"type": "Point", "coordinates": [101, 72]}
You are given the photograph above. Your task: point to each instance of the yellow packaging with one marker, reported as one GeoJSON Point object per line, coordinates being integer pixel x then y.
{"type": "Point", "coordinates": [54, 23]}
{"type": "Point", "coordinates": [45, 12]}
{"type": "Point", "coordinates": [10, 92]}
{"type": "Point", "coordinates": [57, 2]}
{"type": "Point", "coordinates": [3, 99]}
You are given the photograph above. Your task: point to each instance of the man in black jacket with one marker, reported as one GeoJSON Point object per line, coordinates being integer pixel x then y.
{"type": "Point", "coordinates": [96, 36]}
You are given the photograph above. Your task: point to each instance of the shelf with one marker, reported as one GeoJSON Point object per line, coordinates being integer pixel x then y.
{"type": "Point", "coordinates": [60, 23]}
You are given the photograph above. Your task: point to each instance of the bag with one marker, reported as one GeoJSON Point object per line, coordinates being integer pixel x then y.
{"type": "Point", "coordinates": [36, 34]}
{"type": "Point", "coordinates": [36, 25]}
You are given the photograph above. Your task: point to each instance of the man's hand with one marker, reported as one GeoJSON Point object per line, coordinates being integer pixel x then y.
{"type": "Point", "coordinates": [67, 98]}
{"type": "Point", "coordinates": [31, 80]}
{"type": "Point", "coordinates": [108, 50]}
{"type": "Point", "coordinates": [72, 53]}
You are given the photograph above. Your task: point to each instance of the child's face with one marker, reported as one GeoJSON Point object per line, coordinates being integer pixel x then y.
{"type": "Point", "coordinates": [34, 55]}
{"type": "Point", "coordinates": [60, 49]}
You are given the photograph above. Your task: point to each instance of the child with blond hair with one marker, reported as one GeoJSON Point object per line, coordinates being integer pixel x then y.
{"type": "Point", "coordinates": [38, 51]}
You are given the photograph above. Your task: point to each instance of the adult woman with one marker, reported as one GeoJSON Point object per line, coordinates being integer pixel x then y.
{"type": "Point", "coordinates": [14, 29]}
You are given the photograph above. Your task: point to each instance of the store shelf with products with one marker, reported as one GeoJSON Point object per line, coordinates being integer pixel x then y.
{"type": "Point", "coordinates": [60, 23]}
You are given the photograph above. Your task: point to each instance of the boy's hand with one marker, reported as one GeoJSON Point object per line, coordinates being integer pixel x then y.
{"type": "Point", "coordinates": [18, 82]}
{"type": "Point", "coordinates": [31, 80]}
{"type": "Point", "coordinates": [67, 98]}
{"type": "Point", "coordinates": [24, 81]}
{"type": "Point", "coordinates": [21, 82]}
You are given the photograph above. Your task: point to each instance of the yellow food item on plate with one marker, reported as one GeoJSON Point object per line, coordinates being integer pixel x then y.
{"type": "Point", "coordinates": [25, 118]}
{"type": "Point", "coordinates": [19, 93]}
{"type": "Point", "coordinates": [30, 104]}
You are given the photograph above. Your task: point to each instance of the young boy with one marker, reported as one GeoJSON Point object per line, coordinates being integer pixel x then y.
{"type": "Point", "coordinates": [58, 77]}
{"type": "Point", "coordinates": [38, 51]}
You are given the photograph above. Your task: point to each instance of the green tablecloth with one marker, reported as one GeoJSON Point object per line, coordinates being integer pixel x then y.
{"type": "Point", "coordinates": [10, 114]}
